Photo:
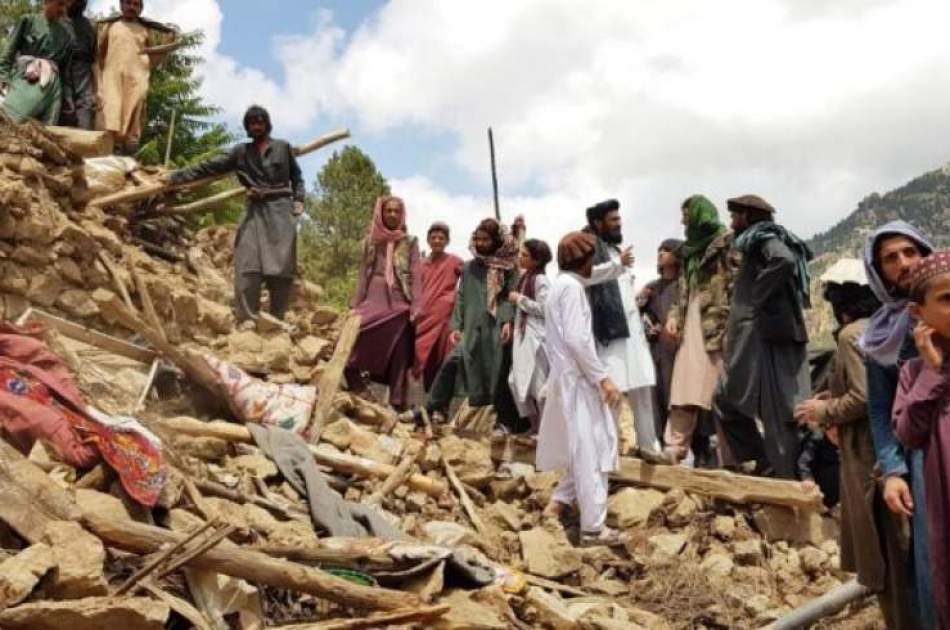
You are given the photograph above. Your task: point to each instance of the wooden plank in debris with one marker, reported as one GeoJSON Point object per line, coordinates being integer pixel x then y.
{"type": "Point", "coordinates": [230, 559]}
{"type": "Point", "coordinates": [83, 142]}
{"type": "Point", "coordinates": [29, 499]}
{"type": "Point", "coordinates": [340, 462]}
{"type": "Point", "coordinates": [721, 484]}
{"type": "Point", "coordinates": [155, 189]}
{"type": "Point", "coordinates": [396, 618]}
{"type": "Point", "coordinates": [329, 380]}
{"type": "Point", "coordinates": [89, 336]}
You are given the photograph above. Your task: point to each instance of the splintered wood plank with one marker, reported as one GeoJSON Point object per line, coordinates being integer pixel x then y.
{"type": "Point", "coordinates": [717, 483]}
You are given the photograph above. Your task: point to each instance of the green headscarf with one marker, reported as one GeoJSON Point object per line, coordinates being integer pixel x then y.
{"type": "Point", "coordinates": [703, 226]}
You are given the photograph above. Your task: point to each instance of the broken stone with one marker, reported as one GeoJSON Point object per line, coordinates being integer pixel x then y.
{"type": "Point", "coordinates": [339, 433]}
{"type": "Point", "coordinates": [469, 610]}
{"type": "Point", "coordinates": [324, 316]}
{"type": "Point", "coordinates": [747, 551]}
{"type": "Point", "coordinates": [609, 586]}
{"type": "Point", "coordinates": [31, 256]}
{"type": "Point", "coordinates": [77, 303]}
{"type": "Point", "coordinates": [724, 527]}
{"type": "Point", "coordinates": [505, 515]}
{"type": "Point", "coordinates": [45, 288]}
{"type": "Point", "coordinates": [814, 560]}
{"type": "Point", "coordinates": [551, 611]}
{"type": "Point", "coordinates": [666, 546]}
{"type": "Point", "coordinates": [683, 513]}
{"type": "Point", "coordinates": [79, 560]}
{"type": "Point", "coordinates": [217, 317]}
{"type": "Point", "coordinates": [548, 555]}
{"type": "Point", "coordinates": [415, 501]}
{"type": "Point", "coordinates": [717, 565]}
{"type": "Point", "coordinates": [632, 507]}
{"type": "Point", "coordinates": [448, 533]}
{"type": "Point", "coordinates": [471, 459]}
{"type": "Point", "coordinates": [256, 464]}
{"type": "Point", "coordinates": [803, 527]}
{"type": "Point", "coordinates": [309, 349]}
{"type": "Point", "coordinates": [102, 503]}
{"type": "Point", "coordinates": [69, 270]}
{"type": "Point", "coordinates": [19, 574]}
{"type": "Point", "coordinates": [91, 613]}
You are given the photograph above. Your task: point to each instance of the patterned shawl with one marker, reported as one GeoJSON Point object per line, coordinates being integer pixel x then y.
{"type": "Point", "coordinates": [379, 234]}
{"type": "Point", "coordinates": [498, 263]}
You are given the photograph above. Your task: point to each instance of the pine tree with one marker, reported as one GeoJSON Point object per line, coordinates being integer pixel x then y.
{"type": "Point", "coordinates": [339, 213]}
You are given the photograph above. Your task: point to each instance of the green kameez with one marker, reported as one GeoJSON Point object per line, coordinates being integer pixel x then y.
{"type": "Point", "coordinates": [35, 36]}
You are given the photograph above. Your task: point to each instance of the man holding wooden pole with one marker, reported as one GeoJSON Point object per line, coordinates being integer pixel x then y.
{"type": "Point", "coordinates": [266, 244]}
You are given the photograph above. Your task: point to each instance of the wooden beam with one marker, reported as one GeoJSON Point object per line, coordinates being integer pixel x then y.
{"type": "Point", "coordinates": [89, 336]}
{"type": "Point", "coordinates": [159, 188]}
{"type": "Point", "coordinates": [467, 504]}
{"type": "Point", "coordinates": [413, 450]}
{"type": "Point", "coordinates": [329, 381]}
{"type": "Point", "coordinates": [717, 483]}
{"type": "Point", "coordinates": [202, 205]}
{"type": "Point", "coordinates": [340, 462]}
{"type": "Point", "coordinates": [230, 559]}
{"type": "Point", "coordinates": [29, 499]}
{"type": "Point", "coordinates": [396, 618]}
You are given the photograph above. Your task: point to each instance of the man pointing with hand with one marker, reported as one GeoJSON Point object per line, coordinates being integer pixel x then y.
{"type": "Point", "coordinates": [618, 329]}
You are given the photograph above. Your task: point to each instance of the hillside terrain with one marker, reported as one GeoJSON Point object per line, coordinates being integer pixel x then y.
{"type": "Point", "coordinates": [923, 201]}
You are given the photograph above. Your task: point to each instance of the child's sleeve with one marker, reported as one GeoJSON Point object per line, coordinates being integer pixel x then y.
{"type": "Point", "coordinates": [921, 391]}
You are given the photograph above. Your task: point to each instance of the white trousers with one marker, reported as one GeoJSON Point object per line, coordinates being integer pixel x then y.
{"type": "Point", "coordinates": [588, 487]}
{"type": "Point", "coordinates": [641, 402]}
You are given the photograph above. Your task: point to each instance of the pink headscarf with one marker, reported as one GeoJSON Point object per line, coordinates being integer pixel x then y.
{"type": "Point", "coordinates": [379, 233]}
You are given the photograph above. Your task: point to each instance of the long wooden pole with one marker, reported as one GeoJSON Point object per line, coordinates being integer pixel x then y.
{"type": "Point", "coordinates": [171, 136]}
{"type": "Point", "coordinates": [230, 559]}
{"type": "Point", "coordinates": [341, 462]}
{"type": "Point", "coordinates": [158, 188]}
{"type": "Point", "coordinates": [494, 173]}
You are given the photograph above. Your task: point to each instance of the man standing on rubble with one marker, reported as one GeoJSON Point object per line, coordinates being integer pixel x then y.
{"type": "Point", "coordinates": [766, 360]}
{"type": "Point", "coordinates": [578, 432]}
{"type": "Point", "coordinates": [265, 250]}
{"type": "Point", "coordinates": [618, 328]}
{"type": "Point", "coordinates": [891, 253]}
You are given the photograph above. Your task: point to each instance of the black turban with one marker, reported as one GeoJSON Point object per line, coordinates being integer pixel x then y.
{"type": "Point", "coordinates": [599, 211]}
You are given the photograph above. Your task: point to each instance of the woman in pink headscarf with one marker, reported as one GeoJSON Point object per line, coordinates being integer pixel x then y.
{"type": "Point", "coordinates": [387, 299]}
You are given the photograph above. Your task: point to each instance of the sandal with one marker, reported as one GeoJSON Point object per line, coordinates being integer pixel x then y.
{"type": "Point", "coordinates": [606, 537]}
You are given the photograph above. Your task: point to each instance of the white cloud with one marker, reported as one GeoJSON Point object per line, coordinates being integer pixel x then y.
{"type": "Point", "coordinates": [809, 104]}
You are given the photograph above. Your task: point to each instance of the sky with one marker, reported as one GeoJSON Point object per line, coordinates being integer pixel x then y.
{"type": "Point", "coordinates": [808, 103]}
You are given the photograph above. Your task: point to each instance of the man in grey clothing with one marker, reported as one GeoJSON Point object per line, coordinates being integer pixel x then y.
{"type": "Point", "coordinates": [265, 251]}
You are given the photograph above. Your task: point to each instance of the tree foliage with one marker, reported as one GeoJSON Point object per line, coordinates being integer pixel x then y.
{"type": "Point", "coordinates": [10, 12]}
{"type": "Point", "coordinates": [339, 213]}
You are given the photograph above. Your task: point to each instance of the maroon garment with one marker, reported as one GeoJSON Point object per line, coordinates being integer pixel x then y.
{"type": "Point", "coordinates": [922, 421]}
{"type": "Point", "coordinates": [440, 280]}
{"type": "Point", "coordinates": [384, 348]}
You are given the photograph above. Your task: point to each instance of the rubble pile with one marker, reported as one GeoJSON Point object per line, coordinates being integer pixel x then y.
{"type": "Point", "coordinates": [457, 537]}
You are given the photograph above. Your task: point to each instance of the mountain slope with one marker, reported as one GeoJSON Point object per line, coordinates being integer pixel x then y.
{"type": "Point", "coordinates": [923, 202]}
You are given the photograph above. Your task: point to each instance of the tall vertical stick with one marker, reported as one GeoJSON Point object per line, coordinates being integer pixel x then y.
{"type": "Point", "coordinates": [494, 173]}
{"type": "Point", "coordinates": [171, 136]}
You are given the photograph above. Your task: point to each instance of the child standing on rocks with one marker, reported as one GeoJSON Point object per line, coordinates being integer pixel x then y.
{"type": "Point", "coordinates": [922, 410]}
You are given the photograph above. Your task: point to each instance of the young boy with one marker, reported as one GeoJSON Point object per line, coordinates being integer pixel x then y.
{"type": "Point", "coordinates": [922, 410]}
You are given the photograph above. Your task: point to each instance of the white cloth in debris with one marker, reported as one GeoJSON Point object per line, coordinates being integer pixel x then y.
{"type": "Point", "coordinates": [529, 366]}
{"type": "Point", "coordinates": [577, 431]}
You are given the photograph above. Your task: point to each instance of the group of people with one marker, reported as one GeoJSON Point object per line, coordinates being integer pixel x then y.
{"type": "Point", "coordinates": [60, 68]}
{"type": "Point", "coordinates": [710, 357]}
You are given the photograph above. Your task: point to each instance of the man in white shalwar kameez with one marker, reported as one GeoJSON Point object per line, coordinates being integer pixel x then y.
{"type": "Point", "coordinates": [618, 328]}
{"type": "Point", "coordinates": [578, 433]}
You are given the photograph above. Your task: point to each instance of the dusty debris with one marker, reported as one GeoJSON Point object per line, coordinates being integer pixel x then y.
{"type": "Point", "coordinates": [79, 558]}
{"type": "Point", "coordinates": [91, 613]}
{"type": "Point", "coordinates": [20, 574]}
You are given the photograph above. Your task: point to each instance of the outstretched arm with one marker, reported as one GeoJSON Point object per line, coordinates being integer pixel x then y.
{"type": "Point", "coordinates": [209, 168]}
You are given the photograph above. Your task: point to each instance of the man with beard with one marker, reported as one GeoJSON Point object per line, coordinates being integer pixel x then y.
{"type": "Point", "coordinates": [81, 110]}
{"type": "Point", "coordinates": [890, 255]}
{"type": "Point", "coordinates": [766, 361]}
{"type": "Point", "coordinates": [618, 329]}
{"type": "Point", "coordinates": [266, 244]}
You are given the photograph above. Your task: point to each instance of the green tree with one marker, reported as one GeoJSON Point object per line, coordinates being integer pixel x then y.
{"type": "Point", "coordinates": [10, 12]}
{"type": "Point", "coordinates": [339, 212]}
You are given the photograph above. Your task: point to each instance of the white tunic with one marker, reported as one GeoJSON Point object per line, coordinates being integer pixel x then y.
{"type": "Point", "coordinates": [529, 361]}
{"type": "Point", "coordinates": [577, 428]}
{"type": "Point", "coordinates": [628, 360]}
